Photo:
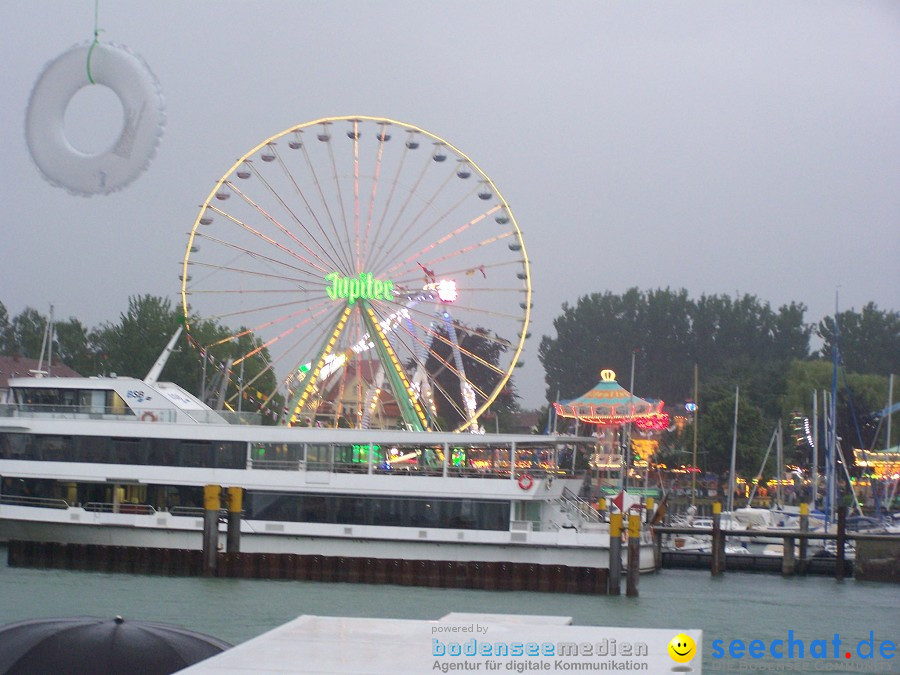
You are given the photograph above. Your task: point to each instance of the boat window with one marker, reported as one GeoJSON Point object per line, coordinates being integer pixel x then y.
{"type": "Point", "coordinates": [95, 401]}
{"type": "Point", "coordinates": [363, 510]}
{"type": "Point", "coordinates": [318, 456]}
{"type": "Point", "coordinates": [230, 455]}
{"type": "Point", "coordinates": [53, 448]}
{"type": "Point", "coordinates": [196, 453]}
{"type": "Point", "coordinates": [138, 451]}
{"type": "Point", "coordinates": [123, 451]}
{"type": "Point", "coordinates": [276, 452]}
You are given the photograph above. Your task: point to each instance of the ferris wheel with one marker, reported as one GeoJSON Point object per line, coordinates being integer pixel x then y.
{"type": "Point", "coordinates": [380, 271]}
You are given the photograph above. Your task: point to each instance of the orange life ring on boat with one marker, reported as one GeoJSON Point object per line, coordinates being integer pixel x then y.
{"type": "Point", "coordinates": [526, 481]}
{"type": "Point", "coordinates": [149, 417]}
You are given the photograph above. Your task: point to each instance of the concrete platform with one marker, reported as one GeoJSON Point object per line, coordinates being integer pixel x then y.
{"type": "Point", "coordinates": [459, 642]}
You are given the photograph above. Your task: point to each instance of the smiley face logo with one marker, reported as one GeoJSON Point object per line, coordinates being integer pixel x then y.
{"type": "Point", "coordinates": [682, 648]}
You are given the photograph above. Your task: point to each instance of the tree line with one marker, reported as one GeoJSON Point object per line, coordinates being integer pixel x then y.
{"type": "Point", "coordinates": [733, 342]}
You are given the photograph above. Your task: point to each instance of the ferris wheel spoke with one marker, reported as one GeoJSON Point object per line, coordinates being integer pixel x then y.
{"type": "Point", "coordinates": [340, 200]}
{"type": "Point", "coordinates": [410, 263]}
{"type": "Point", "coordinates": [267, 239]}
{"type": "Point", "coordinates": [354, 135]}
{"type": "Point", "coordinates": [311, 313]}
{"type": "Point", "coordinates": [478, 312]}
{"type": "Point", "coordinates": [440, 337]}
{"type": "Point", "coordinates": [402, 237]}
{"type": "Point", "coordinates": [382, 137]}
{"type": "Point", "coordinates": [403, 337]}
{"type": "Point", "coordinates": [376, 245]}
{"type": "Point", "coordinates": [436, 233]}
{"type": "Point", "coordinates": [239, 271]}
{"type": "Point", "coordinates": [334, 237]}
{"type": "Point", "coordinates": [433, 377]}
{"type": "Point", "coordinates": [465, 250]}
{"type": "Point", "coordinates": [330, 252]}
{"type": "Point", "coordinates": [381, 248]}
{"type": "Point", "coordinates": [284, 334]}
{"type": "Point", "coordinates": [321, 264]}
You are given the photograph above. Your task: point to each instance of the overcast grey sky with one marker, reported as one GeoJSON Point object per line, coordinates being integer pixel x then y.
{"type": "Point", "coordinates": [721, 147]}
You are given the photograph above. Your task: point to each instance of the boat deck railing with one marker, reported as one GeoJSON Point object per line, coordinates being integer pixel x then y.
{"type": "Point", "coordinates": [41, 502]}
{"type": "Point", "coordinates": [121, 507]}
{"type": "Point", "coordinates": [120, 414]}
{"type": "Point", "coordinates": [578, 507]}
{"type": "Point", "coordinates": [411, 469]}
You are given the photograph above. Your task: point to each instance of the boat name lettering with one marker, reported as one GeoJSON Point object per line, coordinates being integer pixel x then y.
{"type": "Point", "coordinates": [364, 287]}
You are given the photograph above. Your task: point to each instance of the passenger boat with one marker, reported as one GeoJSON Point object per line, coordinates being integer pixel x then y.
{"type": "Point", "coordinates": [124, 461]}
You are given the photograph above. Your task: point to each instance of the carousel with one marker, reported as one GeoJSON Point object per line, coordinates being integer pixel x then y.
{"type": "Point", "coordinates": [622, 420]}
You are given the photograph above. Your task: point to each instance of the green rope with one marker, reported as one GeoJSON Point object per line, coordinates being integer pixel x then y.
{"type": "Point", "coordinates": [94, 43]}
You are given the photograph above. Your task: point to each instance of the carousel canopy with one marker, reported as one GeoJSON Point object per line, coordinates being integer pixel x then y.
{"type": "Point", "coordinates": [608, 404]}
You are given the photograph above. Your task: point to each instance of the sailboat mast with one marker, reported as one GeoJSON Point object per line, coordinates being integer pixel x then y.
{"type": "Point", "coordinates": [830, 465]}
{"type": "Point", "coordinates": [887, 449]}
{"type": "Point", "coordinates": [779, 464]}
{"type": "Point", "coordinates": [694, 455]}
{"type": "Point", "coordinates": [732, 481]}
{"type": "Point", "coordinates": [815, 451]}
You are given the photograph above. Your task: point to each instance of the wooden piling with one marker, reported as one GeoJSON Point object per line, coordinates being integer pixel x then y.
{"type": "Point", "coordinates": [615, 553]}
{"type": "Point", "coordinates": [634, 555]}
{"type": "Point", "coordinates": [841, 537]}
{"type": "Point", "coordinates": [235, 507]}
{"type": "Point", "coordinates": [804, 543]}
{"type": "Point", "coordinates": [212, 500]}
{"type": "Point", "coordinates": [718, 549]}
{"type": "Point", "coordinates": [787, 557]}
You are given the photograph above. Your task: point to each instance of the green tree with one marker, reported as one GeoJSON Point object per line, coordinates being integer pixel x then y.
{"type": "Point", "coordinates": [28, 330]}
{"type": "Point", "coordinates": [858, 397]}
{"type": "Point", "coordinates": [131, 346]}
{"type": "Point", "coordinates": [736, 341]}
{"type": "Point", "coordinates": [868, 341]}
{"type": "Point", "coordinates": [715, 434]}
{"type": "Point", "coordinates": [6, 335]}
{"type": "Point", "coordinates": [73, 346]}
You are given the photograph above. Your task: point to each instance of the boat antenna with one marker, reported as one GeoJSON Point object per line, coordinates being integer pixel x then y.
{"type": "Point", "coordinates": [156, 370]}
{"type": "Point", "coordinates": [48, 337]}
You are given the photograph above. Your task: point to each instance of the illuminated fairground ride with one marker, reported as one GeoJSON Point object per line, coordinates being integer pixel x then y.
{"type": "Point", "coordinates": [380, 270]}
{"type": "Point", "coordinates": [611, 408]}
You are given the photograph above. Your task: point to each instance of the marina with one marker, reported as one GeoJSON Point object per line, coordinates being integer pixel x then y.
{"type": "Point", "coordinates": [737, 605]}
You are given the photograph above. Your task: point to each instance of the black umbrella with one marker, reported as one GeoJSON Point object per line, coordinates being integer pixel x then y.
{"type": "Point", "coordinates": [82, 645]}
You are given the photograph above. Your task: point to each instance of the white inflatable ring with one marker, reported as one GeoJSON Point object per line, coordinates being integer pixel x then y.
{"type": "Point", "coordinates": [143, 118]}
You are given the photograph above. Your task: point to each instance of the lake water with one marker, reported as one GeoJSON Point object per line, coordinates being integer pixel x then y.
{"type": "Point", "coordinates": [735, 606]}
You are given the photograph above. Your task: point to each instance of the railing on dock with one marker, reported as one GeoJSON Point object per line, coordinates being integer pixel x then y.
{"type": "Point", "coordinates": [791, 563]}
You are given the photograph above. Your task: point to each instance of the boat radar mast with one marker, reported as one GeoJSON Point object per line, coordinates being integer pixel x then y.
{"type": "Point", "coordinates": [156, 370]}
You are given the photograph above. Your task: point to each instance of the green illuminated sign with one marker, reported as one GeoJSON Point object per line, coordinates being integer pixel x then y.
{"type": "Point", "coordinates": [363, 287]}
{"type": "Point", "coordinates": [361, 452]}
